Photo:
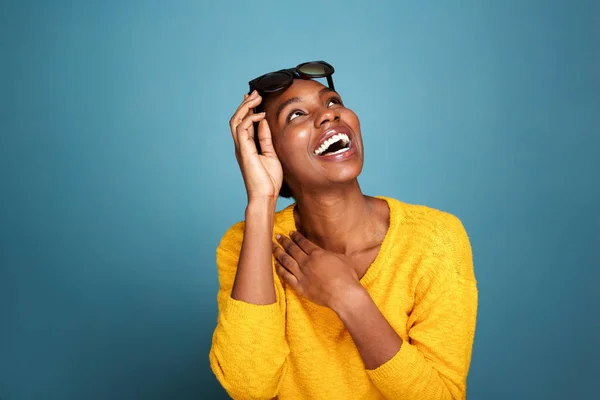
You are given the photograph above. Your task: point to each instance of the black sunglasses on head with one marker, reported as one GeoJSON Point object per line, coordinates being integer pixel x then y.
{"type": "Point", "coordinates": [280, 80]}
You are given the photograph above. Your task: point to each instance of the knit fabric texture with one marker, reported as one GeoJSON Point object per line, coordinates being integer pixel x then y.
{"type": "Point", "coordinates": [422, 281]}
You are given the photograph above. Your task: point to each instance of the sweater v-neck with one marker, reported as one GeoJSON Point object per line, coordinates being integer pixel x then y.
{"type": "Point", "coordinates": [395, 221]}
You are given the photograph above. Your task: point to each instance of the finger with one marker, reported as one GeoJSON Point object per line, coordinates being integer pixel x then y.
{"type": "Point", "coordinates": [286, 260]}
{"type": "Point", "coordinates": [245, 135]}
{"type": "Point", "coordinates": [251, 109]}
{"type": "Point", "coordinates": [245, 108]}
{"type": "Point", "coordinates": [306, 245]}
{"type": "Point", "coordinates": [238, 118]}
{"type": "Point", "coordinates": [287, 277]}
{"type": "Point", "coordinates": [247, 98]}
{"type": "Point", "coordinates": [265, 139]}
{"type": "Point", "coordinates": [247, 123]}
{"type": "Point", "coordinates": [292, 249]}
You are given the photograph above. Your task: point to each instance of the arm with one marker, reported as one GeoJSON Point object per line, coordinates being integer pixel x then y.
{"type": "Point", "coordinates": [249, 348]}
{"type": "Point", "coordinates": [434, 363]}
{"type": "Point", "coordinates": [376, 340]}
{"type": "Point", "coordinates": [254, 277]}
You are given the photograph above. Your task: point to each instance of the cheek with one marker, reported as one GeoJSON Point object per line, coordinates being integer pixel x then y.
{"type": "Point", "coordinates": [351, 119]}
{"type": "Point", "coordinates": [283, 149]}
{"type": "Point", "coordinates": [292, 141]}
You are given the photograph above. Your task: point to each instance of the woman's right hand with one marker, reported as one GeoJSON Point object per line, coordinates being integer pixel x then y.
{"type": "Point", "coordinates": [262, 173]}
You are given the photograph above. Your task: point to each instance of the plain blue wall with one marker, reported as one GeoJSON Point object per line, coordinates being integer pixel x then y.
{"type": "Point", "coordinates": [118, 176]}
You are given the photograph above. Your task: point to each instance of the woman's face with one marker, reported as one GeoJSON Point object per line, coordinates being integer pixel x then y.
{"type": "Point", "coordinates": [316, 138]}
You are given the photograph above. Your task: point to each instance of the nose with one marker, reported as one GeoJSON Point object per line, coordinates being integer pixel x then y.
{"type": "Point", "coordinates": [325, 115]}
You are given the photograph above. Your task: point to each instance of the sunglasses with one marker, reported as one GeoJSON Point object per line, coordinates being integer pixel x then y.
{"type": "Point", "coordinates": [280, 80]}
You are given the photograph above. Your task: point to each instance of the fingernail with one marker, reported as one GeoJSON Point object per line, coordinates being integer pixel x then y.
{"type": "Point", "coordinates": [292, 233]}
{"type": "Point", "coordinates": [278, 236]}
{"type": "Point", "coordinates": [254, 93]}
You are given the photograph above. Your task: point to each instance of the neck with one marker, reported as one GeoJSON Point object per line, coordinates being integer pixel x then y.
{"type": "Point", "coordinates": [339, 220]}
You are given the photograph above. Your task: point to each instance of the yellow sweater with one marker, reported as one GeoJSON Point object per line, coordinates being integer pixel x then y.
{"type": "Point", "coordinates": [423, 283]}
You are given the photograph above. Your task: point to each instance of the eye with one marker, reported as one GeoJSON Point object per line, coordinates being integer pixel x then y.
{"type": "Point", "coordinates": [294, 114]}
{"type": "Point", "coordinates": [333, 101]}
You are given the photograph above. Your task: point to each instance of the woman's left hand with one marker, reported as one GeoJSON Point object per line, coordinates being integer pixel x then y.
{"type": "Point", "coordinates": [323, 277]}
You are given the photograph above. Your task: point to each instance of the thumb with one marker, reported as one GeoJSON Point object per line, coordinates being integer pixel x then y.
{"type": "Point", "coordinates": [265, 140]}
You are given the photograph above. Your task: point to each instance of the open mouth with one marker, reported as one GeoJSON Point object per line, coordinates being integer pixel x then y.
{"type": "Point", "coordinates": [336, 144]}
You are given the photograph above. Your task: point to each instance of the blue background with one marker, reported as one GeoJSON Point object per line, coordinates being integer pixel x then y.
{"type": "Point", "coordinates": [118, 176]}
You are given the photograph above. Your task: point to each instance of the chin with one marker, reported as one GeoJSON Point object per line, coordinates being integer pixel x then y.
{"type": "Point", "coordinates": [347, 174]}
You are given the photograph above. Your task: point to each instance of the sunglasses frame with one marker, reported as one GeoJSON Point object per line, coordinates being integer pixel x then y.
{"type": "Point", "coordinates": [292, 73]}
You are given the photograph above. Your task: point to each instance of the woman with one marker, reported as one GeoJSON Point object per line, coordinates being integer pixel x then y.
{"type": "Point", "coordinates": [374, 298]}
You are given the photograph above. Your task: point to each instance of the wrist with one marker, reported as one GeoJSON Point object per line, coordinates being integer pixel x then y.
{"type": "Point", "coordinates": [350, 302]}
{"type": "Point", "coordinates": [261, 204]}
{"type": "Point", "coordinates": [261, 207]}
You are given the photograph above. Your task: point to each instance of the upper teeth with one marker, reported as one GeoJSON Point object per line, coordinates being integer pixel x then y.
{"type": "Point", "coordinates": [335, 138]}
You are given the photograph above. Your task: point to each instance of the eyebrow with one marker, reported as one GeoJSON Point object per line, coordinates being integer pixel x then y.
{"type": "Point", "coordinates": [297, 100]}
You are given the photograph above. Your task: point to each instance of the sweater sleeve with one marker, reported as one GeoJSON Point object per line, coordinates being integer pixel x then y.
{"type": "Point", "coordinates": [249, 349]}
{"type": "Point", "coordinates": [434, 362]}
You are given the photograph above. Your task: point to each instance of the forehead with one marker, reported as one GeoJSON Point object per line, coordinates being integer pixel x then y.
{"type": "Point", "coordinates": [302, 86]}
{"type": "Point", "coordinates": [299, 88]}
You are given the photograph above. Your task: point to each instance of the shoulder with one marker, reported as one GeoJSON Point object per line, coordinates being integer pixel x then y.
{"type": "Point", "coordinates": [440, 234]}
{"type": "Point", "coordinates": [441, 226]}
{"type": "Point", "coordinates": [426, 220]}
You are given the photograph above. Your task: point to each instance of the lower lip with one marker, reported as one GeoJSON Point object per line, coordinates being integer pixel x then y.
{"type": "Point", "coordinates": [351, 152]}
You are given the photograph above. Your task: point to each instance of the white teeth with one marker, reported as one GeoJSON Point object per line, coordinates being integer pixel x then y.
{"type": "Point", "coordinates": [341, 150]}
{"type": "Point", "coordinates": [335, 138]}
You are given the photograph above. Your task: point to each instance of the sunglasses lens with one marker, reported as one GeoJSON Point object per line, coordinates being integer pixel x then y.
{"type": "Point", "coordinates": [317, 70]}
{"type": "Point", "coordinates": [274, 81]}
